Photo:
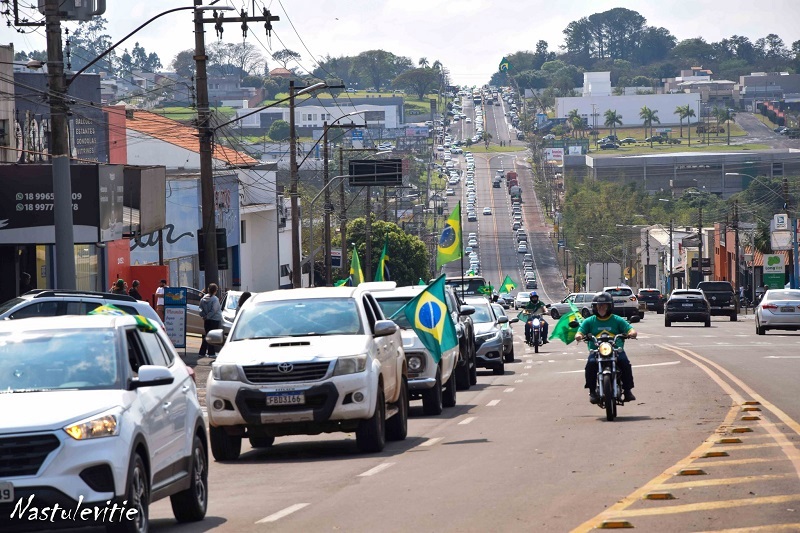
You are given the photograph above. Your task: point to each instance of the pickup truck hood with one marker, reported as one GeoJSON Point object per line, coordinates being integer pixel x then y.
{"type": "Point", "coordinates": [411, 341]}
{"type": "Point", "coordinates": [52, 410]}
{"type": "Point", "coordinates": [294, 349]}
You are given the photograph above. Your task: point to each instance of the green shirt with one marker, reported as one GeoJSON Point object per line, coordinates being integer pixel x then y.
{"type": "Point", "coordinates": [612, 324]}
{"type": "Point", "coordinates": [532, 308]}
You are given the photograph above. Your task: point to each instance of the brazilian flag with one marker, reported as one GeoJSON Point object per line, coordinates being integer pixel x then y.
{"type": "Point", "coordinates": [449, 247]}
{"type": "Point", "coordinates": [486, 290]}
{"type": "Point", "coordinates": [142, 322]}
{"type": "Point", "coordinates": [427, 314]}
{"type": "Point", "coordinates": [504, 65]}
{"type": "Point", "coordinates": [508, 285]}
{"type": "Point", "coordinates": [383, 268]}
{"type": "Point", "coordinates": [563, 330]}
{"type": "Point", "coordinates": [356, 274]}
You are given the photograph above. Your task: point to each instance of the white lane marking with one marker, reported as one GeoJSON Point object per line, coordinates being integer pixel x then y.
{"type": "Point", "coordinates": [280, 514]}
{"type": "Point", "coordinates": [466, 421]}
{"type": "Point", "coordinates": [510, 389]}
{"type": "Point", "coordinates": [379, 468]}
{"type": "Point", "coordinates": [528, 367]}
{"type": "Point", "coordinates": [782, 357]}
{"type": "Point", "coordinates": [518, 380]}
{"type": "Point", "coordinates": [492, 403]}
{"type": "Point", "coordinates": [431, 442]}
{"type": "Point", "coordinates": [551, 360]}
{"type": "Point", "coordinates": [525, 373]}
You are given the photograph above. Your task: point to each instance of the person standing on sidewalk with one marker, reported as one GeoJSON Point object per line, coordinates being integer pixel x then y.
{"type": "Point", "coordinates": [160, 299]}
{"type": "Point", "coordinates": [211, 313]}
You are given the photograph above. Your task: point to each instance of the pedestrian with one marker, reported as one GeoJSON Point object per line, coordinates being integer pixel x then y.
{"type": "Point", "coordinates": [134, 291]}
{"type": "Point", "coordinates": [160, 299]}
{"type": "Point", "coordinates": [118, 287]}
{"type": "Point", "coordinates": [211, 313]}
{"type": "Point", "coordinates": [25, 283]}
{"type": "Point", "coordinates": [242, 299]}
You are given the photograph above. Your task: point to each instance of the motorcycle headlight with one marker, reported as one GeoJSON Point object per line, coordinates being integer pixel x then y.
{"type": "Point", "coordinates": [605, 349]}
{"type": "Point", "coordinates": [225, 372]}
{"type": "Point", "coordinates": [350, 365]}
{"type": "Point", "coordinates": [104, 425]}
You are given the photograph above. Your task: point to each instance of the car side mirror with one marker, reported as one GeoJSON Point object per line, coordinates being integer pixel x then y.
{"type": "Point", "coordinates": [216, 337]}
{"type": "Point", "coordinates": [502, 320]}
{"type": "Point", "coordinates": [466, 310]}
{"type": "Point", "coordinates": [151, 376]}
{"type": "Point", "coordinates": [513, 320]}
{"type": "Point", "coordinates": [384, 328]}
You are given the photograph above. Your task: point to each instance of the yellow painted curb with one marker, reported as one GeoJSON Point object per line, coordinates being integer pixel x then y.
{"type": "Point", "coordinates": [751, 417]}
{"type": "Point", "coordinates": [751, 409]}
{"type": "Point", "coordinates": [751, 403]}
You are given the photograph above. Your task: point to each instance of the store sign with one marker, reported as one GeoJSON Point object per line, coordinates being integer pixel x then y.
{"type": "Point", "coordinates": [175, 315]}
{"type": "Point", "coordinates": [774, 270]}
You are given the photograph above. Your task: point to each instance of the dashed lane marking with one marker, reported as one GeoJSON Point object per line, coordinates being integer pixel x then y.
{"type": "Point", "coordinates": [466, 421]}
{"type": "Point", "coordinates": [518, 380]}
{"type": "Point", "coordinates": [377, 469]}
{"type": "Point", "coordinates": [285, 512]}
{"type": "Point", "coordinates": [492, 403]}
{"type": "Point", "coordinates": [430, 442]}
{"type": "Point", "coordinates": [528, 367]}
{"type": "Point", "coordinates": [510, 389]}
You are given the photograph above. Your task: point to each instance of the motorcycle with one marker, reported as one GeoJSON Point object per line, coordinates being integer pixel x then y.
{"type": "Point", "coordinates": [609, 382]}
{"type": "Point", "coordinates": [534, 338]}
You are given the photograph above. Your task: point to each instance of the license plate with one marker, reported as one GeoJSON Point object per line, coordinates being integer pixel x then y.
{"type": "Point", "coordinates": [619, 301]}
{"type": "Point", "coordinates": [6, 492]}
{"type": "Point", "coordinates": [787, 309]}
{"type": "Point", "coordinates": [286, 398]}
{"type": "Point", "coordinates": [688, 305]}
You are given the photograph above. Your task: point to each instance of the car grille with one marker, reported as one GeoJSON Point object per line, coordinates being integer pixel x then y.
{"type": "Point", "coordinates": [280, 373]}
{"type": "Point", "coordinates": [24, 455]}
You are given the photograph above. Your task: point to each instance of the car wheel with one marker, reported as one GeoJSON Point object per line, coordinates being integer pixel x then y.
{"type": "Point", "coordinates": [224, 447]}
{"type": "Point", "coordinates": [509, 357]}
{"type": "Point", "coordinates": [261, 441]}
{"type": "Point", "coordinates": [667, 322]}
{"type": "Point", "coordinates": [473, 373]}
{"type": "Point", "coordinates": [450, 388]}
{"type": "Point", "coordinates": [554, 313]}
{"type": "Point", "coordinates": [760, 330]}
{"type": "Point", "coordinates": [137, 493]}
{"type": "Point", "coordinates": [734, 317]}
{"type": "Point", "coordinates": [634, 318]}
{"type": "Point", "coordinates": [397, 426]}
{"type": "Point", "coordinates": [500, 369]}
{"type": "Point", "coordinates": [432, 398]}
{"type": "Point", "coordinates": [190, 505]}
{"type": "Point", "coordinates": [708, 322]}
{"type": "Point", "coordinates": [371, 433]}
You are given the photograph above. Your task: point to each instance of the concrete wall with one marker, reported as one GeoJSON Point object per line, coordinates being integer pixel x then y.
{"type": "Point", "coordinates": [628, 107]}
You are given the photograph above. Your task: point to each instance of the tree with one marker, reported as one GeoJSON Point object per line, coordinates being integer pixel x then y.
{"type": "Point", "coordinates": [689, 114]}
{"type": "Point", "coordinates": [574, 120]}
{"type": "Point", "coordinates": [486, 137]}
{"type": "Point", "coordinates": [279, 130]}
{"type": "Point", "coordinates": [36, 55]}
{"type": "Point", "coordinates": [612, 120]}
{"type": "Point", "coordinates": [724, 116]}
{"type": "Point", "coordinates": [88, 41]}
{"type": "Point", "coordinates": [419, 81]}
{"type": "Point", "coordinates": [681, 112]}
{"type": "Point", "coordinates": [285, 56]}
{"type": "Point", "coordinates": [423, 62]}
{"type": "Point", "coordinates": [379, 66]}
{"type": "Point", "coordinates": [649, 116]}
{"type": "Point", "coordinates": [183, 64]}
{"type": "Point", "coordinates": [409, 259]}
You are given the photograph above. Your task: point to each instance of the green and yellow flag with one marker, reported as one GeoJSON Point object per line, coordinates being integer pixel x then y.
{"type": "Point", "coordinates": [341, 283]}
{"type": "Point", "coordinates": [486, 290]}
{"type": "Point", "coordinates": [427, 314]}
{"type": "Point", "coordinates": [356, 274]}
{"type": "Point", "coordinates": [421, 281]}
{"type": "Point", "coordinates": [449, 247]}
{"type": "Point", "coordinates": [504, 65]}
{"type": "Point", "coordinates": [508, 285]}
{"type": "Point", "coordinates": [382, 266]}
{"type": "Point", "coordinates": [563, 331]}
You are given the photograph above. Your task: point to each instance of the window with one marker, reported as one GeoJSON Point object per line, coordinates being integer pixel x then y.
{"type": "Point", "coordinates": [153, 347]}
{"type": "Point", "coordinates": [370, 313]}
{"type": "Point", "coordinates": [36, 310]}
{"type": "Point", "coordinates": [136, 354]}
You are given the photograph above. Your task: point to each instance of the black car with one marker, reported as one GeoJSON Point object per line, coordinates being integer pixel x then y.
{"type": "Point", "coordinates": [721, 297]}
{"type": "Point", "coordinates": [687, 305]}
{"type": "Point", "coordinates": [651, 299]}
{"type": "Point", "coordinates": [609, 146]}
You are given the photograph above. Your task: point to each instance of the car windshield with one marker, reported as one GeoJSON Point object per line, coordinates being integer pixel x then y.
{"type": "Point", "coordinates": [390, 306]}
{"type": "Point", "coordinates": [79, 359]}
{"type": "Point", "coordinates": [619, 292]}
{"type": "Point", "coordinates": [482, 313]}
{"type": "Point", "coordinates": [232, 300]}
{"type": "Point", "coordinates": [295, 318]}
{"type": "Point", "coordinates": [782, 295]}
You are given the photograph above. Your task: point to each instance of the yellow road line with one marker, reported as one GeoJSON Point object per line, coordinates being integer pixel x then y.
{"type": "Point", "coordinates": [706, 506]}
{"type": "Point", "coordinates": [727, 462]}
{"type": "Point", "coordinates": [769, 528]}
{"type": "Point", "coordinates": [736, 447]}
{"type": "Point", "coordinates": [724, 481]}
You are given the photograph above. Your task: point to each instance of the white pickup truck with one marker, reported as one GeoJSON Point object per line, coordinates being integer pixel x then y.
{"type": "Point", "coordinates": [304, 362]}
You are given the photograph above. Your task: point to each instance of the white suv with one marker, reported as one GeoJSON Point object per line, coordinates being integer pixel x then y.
{"type": "Point", "coordinates": [434, 382]}
{"type": "Point", "coordinates": [626, 304]}
{"type": "Point", "coordinates": [303, 362]}
{"type": "Point", "coordinates": [98, 411]}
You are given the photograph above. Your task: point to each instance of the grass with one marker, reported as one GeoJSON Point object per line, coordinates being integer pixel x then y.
{"type": "Point", "coordinates": [639, 149]}
{"type": "Point", "coordinates": [479, 148]}
{"type": "Point", "coordinates": [766, 121]}
{"type": "Point", "coordinates": [187, 113]}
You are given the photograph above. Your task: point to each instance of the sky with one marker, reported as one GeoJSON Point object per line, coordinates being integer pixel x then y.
{"type": "Point", "coordinates": [469, 37]}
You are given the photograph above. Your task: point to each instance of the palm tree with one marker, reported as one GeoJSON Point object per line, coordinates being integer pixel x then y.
{"type": "Point", "coordinates": [724, 115]}
{"type": "Point", "coordinates": [681, 111]}
{"type": "Point", "coordinates": [572, 117]}
{"type": "Point", "coordinates": [689, 114]}
{"type": "Point", "coordinates": [486, 136]}
{"type": "Point", "coordinates": [437, 65]}
{"type": "Point", "coordinates": [578, 125]}
{"type": "Point", "coordinates": [612, 119]}
{"type": "Point", "coordinates": [649, 116]}
{"type": "Point", "coordinates": [423, 62]}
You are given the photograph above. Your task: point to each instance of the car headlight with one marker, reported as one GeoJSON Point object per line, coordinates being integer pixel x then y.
{"type": "Point", "coordinates": [225, 372]}
{"type": "Point", "coordinates": [416, 362]}
{"type": "Point", "coordinates": [350, 365]}
{"type": "Point", "coordinates": [104, 425]}
{"type": "Point", "coordinates": [490, 335]}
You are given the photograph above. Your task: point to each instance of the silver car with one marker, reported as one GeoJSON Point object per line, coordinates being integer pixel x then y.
{"type": "Point", "coordinates": [489, 349]}
{"type": "Point", "coordinates": [508, 333]}
{"type": "Point", "coordinates": [778, 309]}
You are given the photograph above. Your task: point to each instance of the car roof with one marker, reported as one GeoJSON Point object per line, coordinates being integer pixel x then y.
{"type": "Point", "coordinates": [309, 293]}
{"type": "Point", "coordinates": [409, 291]}
{"type": "Point", "coordinates": [67, 322]}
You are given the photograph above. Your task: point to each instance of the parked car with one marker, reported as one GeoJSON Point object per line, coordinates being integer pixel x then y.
{"type": "Point", "coordinates": [106, 411]}
{"type": "Point", "coordinates": [650, 300]}
{"type": "Point", "coordinates": [507, 331]}
{"type": "Point", "coordinates": [609, 146]}
{"type": "Point", "coordinates": [687, 305]}
{"type": "Point", "coordinates": [628, 140]}
{"type": "Point", "coordinates": [290, 360]}
{"type": "Point", "coordinates": [778, 309]}
{"type": "Point", "coordinates": [431, 381]}
{"type": "Point", "coordinates": [488, 335]}
{"type": "Point", "coordinates": [59, 302]}
{"type": "Point", "coordinates": [466, 371]}
{"type": "Point", "coordinates": [581, 300]}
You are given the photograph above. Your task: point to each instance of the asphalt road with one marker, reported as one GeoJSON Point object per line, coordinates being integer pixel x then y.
{"type": "Point", "coordinates": [527, 452]}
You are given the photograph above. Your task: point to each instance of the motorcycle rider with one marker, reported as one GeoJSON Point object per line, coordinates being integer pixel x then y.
{"type": "Point", "coordinates": [535, 308]}
{"type": "Point", "coordinates": [604, 321]}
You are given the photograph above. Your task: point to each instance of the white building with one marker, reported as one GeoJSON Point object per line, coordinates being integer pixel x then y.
{"type": "Point", "coordinates": [597, 99]}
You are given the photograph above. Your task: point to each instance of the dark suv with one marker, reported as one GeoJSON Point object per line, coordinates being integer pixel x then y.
{"type": "Point", "coordinates": [651, 300]}
{"type": "Point", "coordinates": [721, 297]}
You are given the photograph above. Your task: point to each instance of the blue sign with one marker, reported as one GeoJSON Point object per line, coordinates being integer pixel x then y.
{"type": "Point", "coordinates": [358, 135]}
{"type": "Point", "coordinates": [175, 315]}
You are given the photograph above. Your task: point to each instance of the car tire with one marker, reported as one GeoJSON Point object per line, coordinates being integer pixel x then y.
{"type": "Point", "coordinates": [432, 398]}
{"type": "Point", "coordinates": [371, 433]}
{"type": "Point", "coordinates": [708, 323]}
{"type": "Point", "coordinates": [261, 441]}
{"type": "Point", "coordinates": [450, 391]}
{"type": "Point", "coordinates": [462, 375]}
{"type": "Point", "coordinates": [224, 447]}
{"type": "Point", "coordinates": [397, 426]}
{"type": "Point", "coordinates": [500, 369]}
{"type": "Point", "coordinates": [190, 505]}
{"type": "Point", "coordinates": [509, 357]}
{"type": "Point", "coordinates": [760, 330]}
{"type": "Point", "coordinates": [667, 322]}
{"type": "Point", "coordinates": [734, 317]}
{"type": "Point", "coordinates": [473, 373]}
{"type": "Point", "coordinates": [137, 494]}
{"type": "Point", "coordinates": [554, 314]}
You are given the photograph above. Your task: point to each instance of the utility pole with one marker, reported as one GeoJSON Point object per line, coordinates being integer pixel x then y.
{"type": "Point", "coordinates": [736, 244]}
{"type": "Point", "coordinates": [669, 279]}
{"type": "Point", "coordinates": [62, 180]}
{"type": "Point", "coordinates": [293, 192]}
{"type": "Point", "coordinates": [647, 266]}
{"type": "Point", "coordinates": [700, 241]}
{"type": "Point", "coordinates": [343, 216]}
{"type": "Point", "coordinates": [367, 266]}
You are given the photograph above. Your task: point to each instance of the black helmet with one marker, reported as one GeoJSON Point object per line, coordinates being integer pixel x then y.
{"type": "Point", "coordinates": [602, 298]}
